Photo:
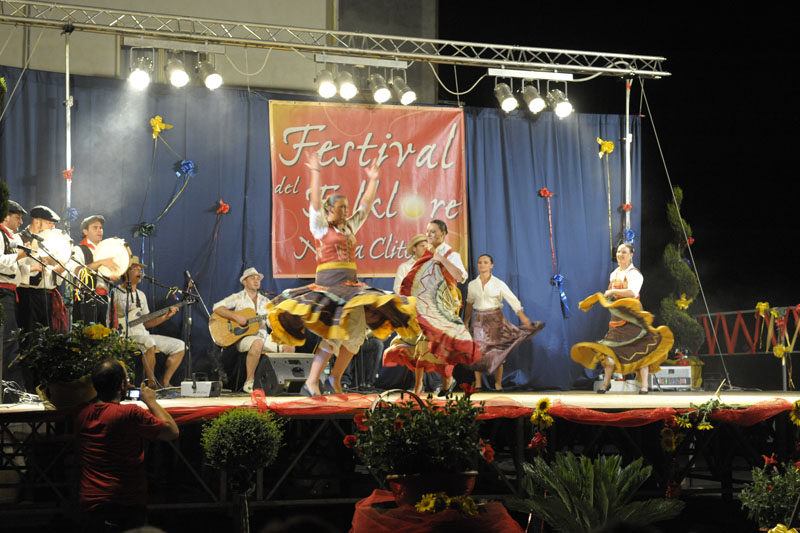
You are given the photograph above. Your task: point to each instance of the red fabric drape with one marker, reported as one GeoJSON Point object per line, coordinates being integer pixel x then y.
{"type": "Point", "coordinates": [373, 515]}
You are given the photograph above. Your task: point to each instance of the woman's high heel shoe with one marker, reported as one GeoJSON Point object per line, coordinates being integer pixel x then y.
{"type": "Point", "coordinates": [603, 390]}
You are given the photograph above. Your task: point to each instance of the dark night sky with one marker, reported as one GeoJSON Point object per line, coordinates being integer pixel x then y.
{"type": "Point", "coordinates": [725, 118]}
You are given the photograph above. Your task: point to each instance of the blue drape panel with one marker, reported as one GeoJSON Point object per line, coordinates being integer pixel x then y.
{"type": "Point", "coordinates": [226, 133]}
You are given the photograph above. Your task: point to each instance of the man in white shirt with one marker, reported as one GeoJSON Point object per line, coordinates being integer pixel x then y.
{"type": "Point", "coordinates": [87, 309]}
{"type": "Point", "coordinates": [131, 303]}
{"type": "Point", "coordinates": [250, 298]}
{"type": "Point", "coordinates": [416, 249]}
{"type": "Point", "coordinates": [9, 279]}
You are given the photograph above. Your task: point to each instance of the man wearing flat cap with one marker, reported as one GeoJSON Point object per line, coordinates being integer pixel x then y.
{"type": "Point", "coordinates": [254, 345]}
{"type": "Point", "coordinates": [9, 279]}
{"type": "Point", "coordinates": [84, 308]}
{"type": "Point", "coordinates": [40, 302]}
{"type": "Point", "coordinates": [416, 249]}
{"type": "Point", "coordinates": [130, 303]}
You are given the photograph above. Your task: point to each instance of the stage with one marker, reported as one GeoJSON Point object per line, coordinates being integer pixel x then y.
{"type": "Point", "coordinates": [314, 468]}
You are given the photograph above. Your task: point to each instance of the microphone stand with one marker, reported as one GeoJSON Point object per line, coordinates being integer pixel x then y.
{"type": "Point", "coordinates": [66, 279]}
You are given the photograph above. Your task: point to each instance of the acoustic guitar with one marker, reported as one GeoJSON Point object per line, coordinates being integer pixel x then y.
{"type": "Point", "coordinates": [135, 317]}
{"type": "Point", "coordinates": [225, 332]}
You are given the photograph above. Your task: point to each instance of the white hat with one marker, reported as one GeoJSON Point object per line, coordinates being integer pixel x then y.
{"type": "Point", "coordinates": [250, 272]}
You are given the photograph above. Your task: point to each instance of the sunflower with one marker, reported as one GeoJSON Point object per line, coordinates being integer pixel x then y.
{"type": "Point", "coordinates": [427, 503]}
{"type": "Point", "coordinates": [794, 414]}
{"type": "Point", "coordinates": [683, 422]}
{"type": "Point", "coordinates": [545, 421]}
{"type": "Point", "coordinates": [535, 417]}
{"type": "Point", "coordinates": [544, 405]}
{"type": "Point", "coordinates": [704, 426]}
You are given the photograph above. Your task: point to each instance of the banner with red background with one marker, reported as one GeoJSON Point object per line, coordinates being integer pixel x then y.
{"type": "Point", "coordinates": [420, 154]}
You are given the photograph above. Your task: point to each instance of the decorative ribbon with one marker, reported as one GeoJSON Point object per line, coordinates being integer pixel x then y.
{"type": "Point", "coordinates": [67, 174]}
{"type": "Point", "coordinates": [86, 279]}
{"type": "Point", "coordinates": [223, 208]}
{"type": "Point", "coordinates": [557, 279]}
{"type": "Point", "coordinates": [780, 528]}
{"type": "Point", "coordinates": [71, 214]}
{"type": "Point", "coordinates": [626, 207]}
{"type": "Point", "coordinates": [158, 125]}
{"type": "Point", "coordinates": [186, 166]}
{"type": "Point", "coordinates": [630, 237]}
{"type": "Point", "coordinates": [779, 350]}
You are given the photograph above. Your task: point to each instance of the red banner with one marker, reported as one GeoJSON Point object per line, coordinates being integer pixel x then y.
{"type": "Point", "coordinates": [420, 155]}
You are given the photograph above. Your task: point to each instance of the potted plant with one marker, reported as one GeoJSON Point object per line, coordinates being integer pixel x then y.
{"type": "Point", "coordinates": [239, 442]}
{"type": "Point", "coordinates": [578, 494]}
{"type": "Point", "coordinates": [422, 446]}
{"type": "Point", "coordinates": [771, 497]}
{"type": "Point", "coordinates": [63, 361]}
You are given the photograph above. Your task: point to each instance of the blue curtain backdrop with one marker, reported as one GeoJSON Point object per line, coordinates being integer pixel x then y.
{"type": "Point", "coordinates": [226, 134]}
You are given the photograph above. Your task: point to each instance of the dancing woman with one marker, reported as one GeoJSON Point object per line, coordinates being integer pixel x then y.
{"type": "Point", "coordinates": [631, 344]}
{"type": "Point", "coordinates": [337, 307]}
{"type": "Point", "coordinates": [445, 341]}
{"type": "Point", "coordinates": [495, 335]}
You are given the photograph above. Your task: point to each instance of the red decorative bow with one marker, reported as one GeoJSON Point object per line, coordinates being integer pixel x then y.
{"type": "Point", "coordinates": [544, 193]}
{"type": "Point", "coordinates": [67, 174]}
{"type": "Point", "coordinates": [223, 208]}
{"type": "Point", "coordinates": [626, 207]}
{"type": "Point", "coordinates": [690, 241]}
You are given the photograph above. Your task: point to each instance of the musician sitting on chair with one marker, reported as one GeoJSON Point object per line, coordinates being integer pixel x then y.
{"type": "Point", "coordinates": [130, 303]}
{"type": "Point", "coordinates": [40, 303]}
{"type": "Point", "coordinates": [254, 345]}
{"type": "Point", "coordinates": [86, 309]}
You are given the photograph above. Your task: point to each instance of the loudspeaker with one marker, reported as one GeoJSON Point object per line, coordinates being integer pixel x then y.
{"type": "Point", "coordinates": [282, 372]}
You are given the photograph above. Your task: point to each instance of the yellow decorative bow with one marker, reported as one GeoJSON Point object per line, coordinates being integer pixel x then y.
{"type": "Point", "coordinates": [683, 303]}
{"type": "Point", "coordinates": [761, 307]}
{"type": "Point", "coordinates": [158, 125]}
{"type": "Point", "coordinates": [779, 351]}
{"type": "Point", "coordinates": [774, 313]}
{"type": "Point", "coordinates": [606, 147]}
{"type": "Point", "coordinates": [780, 528]}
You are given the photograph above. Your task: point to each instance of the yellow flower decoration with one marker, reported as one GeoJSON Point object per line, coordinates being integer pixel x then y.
{"type": "Point", "coordinates": [683, 422]}
{"type": "Point", "coordinates": [427, 503]}
{"type": "Point", "coordinates": [683, 303]}
{"type": "Point", "coordinates": [606, 147]}
{"type": "Point", "coordinates": [774, 312]}
{"type": "Point", "coordinates": [780, 528]}
{"type": "Point", "coordinates": [545, 421]}
{"type": "Point", "coordinates": [96, 331]}
{"type": "Point", "coordinates": [703, 426]}
{"type": "Point", "coordinates": [779, 351]}
{"type": "Point", "coordinates": [544, 405]}
{"type": "Point", "coordinates": [794, 414]}
{"type": "Point", "coordinates": [761, 307]}
{"type": "Point", "coordinates": [158, 125]}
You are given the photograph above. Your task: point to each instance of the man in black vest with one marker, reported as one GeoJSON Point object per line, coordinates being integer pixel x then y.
{"type": "Point", "coordinates": [87, 309]}
{"type": "Point", "coordinates": [9, 279]}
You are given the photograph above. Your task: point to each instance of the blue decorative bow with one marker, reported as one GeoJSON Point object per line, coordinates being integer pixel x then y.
{"type": "Point", "coordinates": [186, 167]}
{"type": "Point", "coordinates": [558, 281]}
{"type": "Point", "coordinates": [630, 236]}
{"type": "Point", "coordinates": [71, 214]}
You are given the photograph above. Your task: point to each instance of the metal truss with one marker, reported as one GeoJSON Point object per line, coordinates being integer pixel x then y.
{"type": "Point", "coordinates": [307, 40]}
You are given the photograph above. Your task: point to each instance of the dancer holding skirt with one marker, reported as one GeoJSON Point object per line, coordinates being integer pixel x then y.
{"type": "Point", "coordinates": [337, 306]}
{"type": "Point", "coordinates": [495, 335]}
{"type": "Point", "coordinates": [631, 344]}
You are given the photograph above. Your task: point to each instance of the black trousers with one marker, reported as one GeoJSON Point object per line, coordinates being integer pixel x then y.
{"type": "Point", "coordinates": [8, 299]}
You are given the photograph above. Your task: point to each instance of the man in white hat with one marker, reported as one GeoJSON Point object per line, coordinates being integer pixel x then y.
{"type": "Point", "coordinates": [254, 345]}
{"type": "Point", "coordinates": [87, 309]}
{"type": "Point", "coordinates": [416, 249]}
{"type": "Point", "coordinates": [9, 279]}
{"type": "Point", "coordinates": [40, 302]}
{"type": "Point", "coordinates": [131, 303]}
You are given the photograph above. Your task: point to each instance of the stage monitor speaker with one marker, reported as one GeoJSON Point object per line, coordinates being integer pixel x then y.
{"type": "Point", "coordinates": [282, 372]}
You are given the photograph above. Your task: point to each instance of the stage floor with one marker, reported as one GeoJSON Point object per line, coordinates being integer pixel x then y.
{"type": "Point", "coordinates": [528, 400]}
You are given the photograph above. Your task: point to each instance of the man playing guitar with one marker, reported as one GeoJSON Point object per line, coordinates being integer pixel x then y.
{"type": "Point", "coordinates": [254, 345]}
{"type": "Point", "coordinates": [131, 303]}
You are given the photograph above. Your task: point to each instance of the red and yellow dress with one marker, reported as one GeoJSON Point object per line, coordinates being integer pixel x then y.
{"type": "Point", "coordinates": [446, 341]}
{"type": "Point", "coordinates": [337, 306]}
{"type": "Point", "coordinates": [631, 341]}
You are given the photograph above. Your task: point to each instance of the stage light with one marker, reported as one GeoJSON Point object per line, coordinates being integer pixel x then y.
{"type": "Point", "coordinates": [139, 78]}
{"type": "Point", "coordinates": [347, 87]}
{"type": "Point", "coordinates": [403, 91]}
{"type": "Point", "coordinates": [505, 97]}
{"type": "Point", "coordinates": [380, 91]}
{"type": "Point", "coordinates": [325, 84]}
{"type": "Point", "coordinates": [558, 101]}
{"type": "Point", "coordinates": [176, 73]}
{"type": "Point", "coordinates": [533, 99]}
{"type": "Point", "coordinates": [209, 74]}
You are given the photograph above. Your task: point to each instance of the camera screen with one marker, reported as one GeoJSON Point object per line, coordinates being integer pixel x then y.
{"type": "Point", "coordinates": [134, 394]}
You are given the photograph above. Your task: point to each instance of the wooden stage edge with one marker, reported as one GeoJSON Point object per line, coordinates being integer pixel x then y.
{"type": "Point", "coordinates": [587, 399]}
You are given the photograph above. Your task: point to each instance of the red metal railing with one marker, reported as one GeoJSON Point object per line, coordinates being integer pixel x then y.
{"type": "Point", "coordinates": [748, 332]}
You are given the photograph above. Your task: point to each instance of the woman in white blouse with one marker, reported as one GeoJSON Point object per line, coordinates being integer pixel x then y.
{"type": "Point", "coordinates": [495, 335]}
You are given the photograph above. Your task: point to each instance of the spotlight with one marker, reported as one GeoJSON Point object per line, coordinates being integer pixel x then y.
{"type": "Point", "coordinates": [139, 78]}
{"type": "Point", "coordinates": [504, 96]}
{"type": "Point", "coordinates": [347, 88]}
{"type": "Point", "coordinates": [403, 92]}
{"type": "Point", "coordinates": [209, 75]}
{"type": "Point", "coordinates": [176, 73]}
{"type": "Point", "coordinates": [533, 99]}
{"type": "Point", "coordinates": [558, 101]}
{"type": "Point", "coordinates": [380, 91]}
{"type": "Point", "coordinates": [325, 85]}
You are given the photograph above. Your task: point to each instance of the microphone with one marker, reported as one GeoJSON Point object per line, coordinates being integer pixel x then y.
{"type": "Point", "coordinates": [148, 278]}
{"type": "Point", "coordinates": [14, 246]}
{"type": "Point", "coordinates": [189, 280]}
{"type": "Point", "coordinates": [26, 235]}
